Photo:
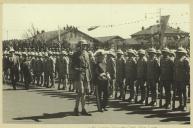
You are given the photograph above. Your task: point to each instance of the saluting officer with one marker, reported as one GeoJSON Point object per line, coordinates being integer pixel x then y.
{"type": "Point", "coordinates": [82, 76]}
{"type": "Point", "coordinates": [130, 73]}
{"type": "Point", "coordinates": [166, 77]}
{"type": "Point", "coordinates": [181, 77]}
{"type": "Point", "coordinates": [152, 76]}
{"type": "Point", "coordinates": [141, 76]}
{"type": "Point", "coordinates": [120, 75]}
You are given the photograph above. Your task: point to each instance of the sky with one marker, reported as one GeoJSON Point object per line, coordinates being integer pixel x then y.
{"type": "Point", "coordinates": [125, 18]}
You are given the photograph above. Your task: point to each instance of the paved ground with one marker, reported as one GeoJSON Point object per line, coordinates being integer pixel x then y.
{"type": "Point", "coordinates": [52, 106]}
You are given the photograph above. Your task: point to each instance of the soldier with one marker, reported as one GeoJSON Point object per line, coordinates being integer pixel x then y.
{"type": "Point", "coordinates": [141, 75]}
{"type": "Point", "coordinates": [82, 76]}
{"type": "Point", "coordinates": [102, 80]}
{"type": "Point", "coordinates": [111, 69]}
{"type": "Point", "coordinates": [70, 78]}
{"type": "Point", "coordinates": [14, 68]}
{"type": "Point", "coordinates": [152, 76]}
{"type": "Point", "coordinates": [120, 74]}
{"type": "Point", "coordinates": [130, 73]}
{"type": "Point", "coordinates": [25, 69]}
{"type": "Point", "coordinates": [39, 70]}
{"type": "Point", "coordinates": [181, 78]}
{"type": "Point", "coordinates": [62, 65]}
{"type": "Point", "coordinates": [33, 66]}
{"type": "Point", "coordinates": [48, 71]}
{"type": "Point", "coordinates": [166, 77]}
{"type": "Point", "coordinates": [6, 64]}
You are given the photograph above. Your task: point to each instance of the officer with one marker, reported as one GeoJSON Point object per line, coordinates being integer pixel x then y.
{"type": "Point", "coordinates": [62, 65]}
{"type": "Point", "coordinates": [166, 77]}
{"type": "Point", "coordinates": [141, 76]}
{"type": "Point", "coordinates": [130, 73]}
{"type": "Point", "coordinates": [33, 66]}
{"type": "Point", "coordinates": [14, 68]}
{"type": "Point", "coordinates": [82, 76]}
{"type": "Point", "coordinates": [25, 68]}
{"type": "Point", "coordinates": [152, 76]}
{"type": "Point", "coordinates": [120, 74]}
{"type": "Point", "coordinates": [102, 80]}
{"type": "Point", "coordinates": [111, 69]}
{"type": "Point", "coordinates": [181, 78]}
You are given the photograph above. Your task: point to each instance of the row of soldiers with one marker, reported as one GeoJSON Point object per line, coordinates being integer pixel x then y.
{"type": "Point", "coordinates": [146, 73]}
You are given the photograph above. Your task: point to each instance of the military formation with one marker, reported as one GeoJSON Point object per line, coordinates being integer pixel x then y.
{"type": "Point", "coordinates": [147, 76]}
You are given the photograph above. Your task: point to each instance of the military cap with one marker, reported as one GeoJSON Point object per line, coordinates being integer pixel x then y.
{"type": "Point", "coordinates": [158, 52]}
{"type": "Point", "coordinates": [130, 51]}
{"type": "Point", "coordinates": [151, 50]}
{"type": "Point", "coordinates": [64, 53]}
{"type": "Point", "coordinates": [46, 54]}
{"type": "Point", "coordinates": [172, 52]}
{"type": "Point", "coordinates": [5, 52]}
{"type": "Point", "coordinates": [11, 50]}
{"type": "Point", "coordinates": [49, 53]}
{"type": "Point", "coordinates": [16, 53]}
{"type": "Point", "coordinates": [181, 50]}
{"type": "Point", "coordinates": [166, 50]}
{"type": "Point", "coordinates": [100, 52]}
{"type": "Point", "coordinates": [141, 51]}
{"type": "Point", "coordinates": [120, 52]}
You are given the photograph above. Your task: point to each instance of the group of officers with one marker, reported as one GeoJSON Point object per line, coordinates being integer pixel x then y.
{"type": "Point", "coordinates": [149, 74]}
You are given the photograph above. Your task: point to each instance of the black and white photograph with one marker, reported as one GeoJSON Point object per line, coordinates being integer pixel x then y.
{"type": "Point", "coordinates": [96, 64]}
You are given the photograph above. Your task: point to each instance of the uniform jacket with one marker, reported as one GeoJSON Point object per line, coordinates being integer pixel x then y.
{"type": "Point", "coordinates": [142, 68]}
{"type": "Point", "coordinates": [62, 66]}
{"type": "Point", "coordinates": [153, 68]}
{"type": "Point", "coordinates": [181, 69]}
{"type": "Point", "coordinates": [166, 69]}
{"type": "Point", "coordinates": [120, 68]}
{"type": "Point", "coordinates": [111, 67]}
{"type": "Point", "coordinates": [39, 66]}
{"type": "Point", "coordinates": [80, 66]}
{"type": "Point", "coordinates": [131, 68]}
{"type": "Point", "coordinates": [48, 65]}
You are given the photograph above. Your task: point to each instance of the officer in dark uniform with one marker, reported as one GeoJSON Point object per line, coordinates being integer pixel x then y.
{"type": "Point", "coordinates": [141, 76]}
{"type": "Point", "coordinates": [102, 79]}
{"type": "Point", "coordinates": [130, 74]}
{"type": "Point", "coordinates": [82, 76]}
{"type": "Point", "coordinates": [181, 78]}
{"type": "Point", "coordinates": [152, 76]}
{"type": "Point", "coordinates": [166, 77]}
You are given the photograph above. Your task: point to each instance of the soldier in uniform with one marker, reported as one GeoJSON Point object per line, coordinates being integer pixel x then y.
{"type": "Point", "coordinates": [14, 68]}
{"type": "Point", "coordinates": [166, 77]}
{"type": "Point", "coordinates": [39, 70]}
{"type": "Point", "coordinates": [6, 64]}
{"type": "Point", "coordinates": [48, 71]}
{"type": "Point", "coordinates": [82, 76]}
{"type": "Point", "coordinates": [33, 66]}
{"type": "Point", "coordinates": [120, 75]}
{"type": "Point", "coordinates": [111, 69]}
{"type": "Point", "coordinates": [130, 74]}
{"type": "Point", "coordinates": [25, 69]}
{"type": "Point", "coordinates": [152, 76]}
{"type": "Point", "coordinates": [141, 76]}
{"type": "Point", "coordinates": [62, 65]}
{"type": "Point", "coordinates": [181, 78]}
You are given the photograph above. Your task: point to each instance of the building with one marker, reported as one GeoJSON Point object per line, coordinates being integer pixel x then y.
{"type": "Point", "coordinates": [151, 36]}
{"type": "Point", "coordinates": [69, 37]}
{"type": "Point", "coordinates": [111, 41]}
